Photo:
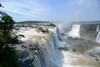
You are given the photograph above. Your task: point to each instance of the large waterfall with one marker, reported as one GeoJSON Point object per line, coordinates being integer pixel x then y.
{"type": "Point", "coordinates": [75, 31]}
{"type": "Point", "coordinates": [48, 42]}
{"type": "Point", "coordinates": [43, 49]}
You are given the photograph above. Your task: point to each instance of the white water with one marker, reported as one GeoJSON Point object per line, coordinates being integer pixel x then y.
{"type": "Point", "coordinates": [97, 29]}
{"type": "Point", "coordinates": [62, 27]}
{"type": "Point", "coordinates": [47, 43]}
{"type": "Point", "coordinates": [98, 36]}
{"type": "Point", "coordinates": [75, 31]}
{"type": "Point", "coordinates": [48, 54]}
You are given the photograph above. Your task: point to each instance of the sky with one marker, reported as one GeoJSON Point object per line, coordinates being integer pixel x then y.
{"type": "Point", "coordinates": [52, 10]}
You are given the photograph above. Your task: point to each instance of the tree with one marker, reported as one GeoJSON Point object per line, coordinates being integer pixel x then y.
{"type": "Point", "coordinates": [7, 53]}
{"type": "Point", "coordinates": [6, 25]}
{"type": "Point", "coordinates": [6, 22]}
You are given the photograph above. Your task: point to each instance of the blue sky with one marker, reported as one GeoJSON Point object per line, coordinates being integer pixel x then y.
{"type": "Point", "coordinates": [52, 10]}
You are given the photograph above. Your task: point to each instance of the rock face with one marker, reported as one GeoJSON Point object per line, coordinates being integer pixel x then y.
{"type": "Point", "coordinates": [39, 50]}
{"type": "Point", "coordinates": [89, 35]}
{"type": "Point", "coordinates": [86, 31]}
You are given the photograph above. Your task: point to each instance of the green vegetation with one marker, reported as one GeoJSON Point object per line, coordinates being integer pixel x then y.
{"type": "Point", "coordinates": [8, 56]}
{"type": "Point", "coordinates": [63, 34]}
{"type": "Point", "coordinates": [22, 25]}
{"type": "Point", "coordinates": [16, 25]}
{"type": "Point", "coordinates": [7, 53]}
{"type": "Point", "coordinates": [29, 25]}
{"type": "Point", "coordinates": [90, 26]}
{"type": "Point", "coordinates": [30, 22]}
{"type": "Point", "coordinates": [51, 24]}
{"type": "Point", "coordinates": [34, 48]}
{"type": "Point", "coordinates": [40, 28]}
{"type": "Point", "coordinates": [63, 48]}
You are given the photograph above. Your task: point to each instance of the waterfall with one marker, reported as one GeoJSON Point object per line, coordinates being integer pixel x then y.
{"type": "Point", "coordinates": [98, 36]}
{"type": "Point", "coordinates": [61, 38]}
{"type": "Point", "coordinates": [46, 53]}
{"type": "Point", "coordinates": [46, 42]}
{"type": "Point", "coordinates": [57, 37]}
{"type": "Point", "coordinates": [36, 62]}
{"type": "Point", "coordinates": [75, 31]}
{"type": "Point", "coordinates": [97, 29]}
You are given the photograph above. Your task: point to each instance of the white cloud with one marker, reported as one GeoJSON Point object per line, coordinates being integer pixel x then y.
{"type": "Point", "coordinates": [73, 10]}
{"type": "Point", "coordinates": [23, 7]}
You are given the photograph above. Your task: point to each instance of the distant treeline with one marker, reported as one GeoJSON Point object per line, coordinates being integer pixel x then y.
{"type": "Point", "coordinates": [87, 22]}
{"type": "Point", "coordinates": [32, 22]}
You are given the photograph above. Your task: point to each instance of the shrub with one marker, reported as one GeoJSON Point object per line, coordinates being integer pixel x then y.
{"type": "Point", "coordinates": [63, 34]}
{"type": "Point", "coordinates": [51, 24]}
{"type": "Point", "coordinates": [16, 25]}
{"type": "Point", "coordinates": [29, 25]}
{"type": "Point", "coordinates": [8, 57]}
{"type": "Point", "coordinates": [34, 48]}
{"type": "Point", "coordinates": [40, 28]}
{"type": "Point", "coordinates": [22, 25]}
{"type": "Point", "coordinates": [63, 48]}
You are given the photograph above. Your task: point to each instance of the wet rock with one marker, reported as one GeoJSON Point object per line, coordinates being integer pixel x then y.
{"type": "Point", "coordinates": [21, 35]}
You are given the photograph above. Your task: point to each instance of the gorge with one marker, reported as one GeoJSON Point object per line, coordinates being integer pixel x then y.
{"type": "Point", "coordinates": [44, 46]}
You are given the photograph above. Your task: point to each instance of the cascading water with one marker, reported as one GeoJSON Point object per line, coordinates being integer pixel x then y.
{"type": "Point", "coordinates": [44, 57]}
{"type": "Point", "coordinates": [98, 36]}
{"type": "Point", "coordinates": [48, 53]}
{"type": "Point", "coordinates": [75, 31]}
{"type": "Point", "coordinates": [97, 29]}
